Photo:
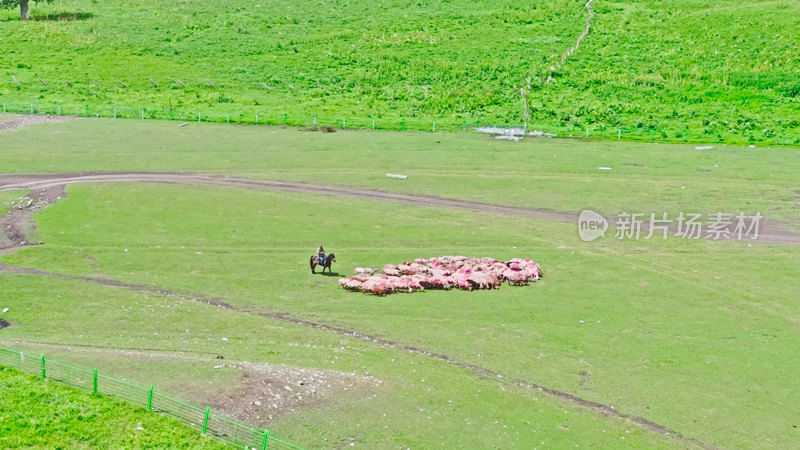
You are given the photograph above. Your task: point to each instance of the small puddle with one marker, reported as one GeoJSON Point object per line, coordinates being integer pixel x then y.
{"type": "Point", "coordinates": [512, 134]}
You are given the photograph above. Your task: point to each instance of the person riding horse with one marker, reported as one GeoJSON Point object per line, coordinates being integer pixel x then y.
{"type": "Point", "coordinates": [322, 259]}
{"type": "Point", "coordinates": [320, 255]}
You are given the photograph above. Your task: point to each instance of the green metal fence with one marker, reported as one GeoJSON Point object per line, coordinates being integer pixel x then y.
{"type": "Point", "coordinates": [220, 427]}
{"type": "Point", "coordinates": [260, 115]}
{"type": "Point", "coordinates": [253, 115]}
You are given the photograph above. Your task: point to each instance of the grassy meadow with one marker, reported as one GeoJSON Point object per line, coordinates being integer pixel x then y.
{"type": "Point", "coordinates": [668, 70]}
{"type": "Point", "coordinates": [556, 174]}
{"type": "Point", "coordinates": [39, 414]}
{"type": "Point", "coordinates": [678, 332]}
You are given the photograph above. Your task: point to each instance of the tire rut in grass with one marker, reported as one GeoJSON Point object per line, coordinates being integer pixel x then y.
{"type": "Point", "coordinates": [769, 232]}
{"type": "Point", "coordinates": [481, 372]}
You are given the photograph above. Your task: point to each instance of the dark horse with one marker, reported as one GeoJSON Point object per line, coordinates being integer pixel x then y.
{"type": "Point", "coordinates": [326, 264]}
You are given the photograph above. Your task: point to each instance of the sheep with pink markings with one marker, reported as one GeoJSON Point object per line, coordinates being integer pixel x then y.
{"type": "Point", "coordinates": [443, 272]}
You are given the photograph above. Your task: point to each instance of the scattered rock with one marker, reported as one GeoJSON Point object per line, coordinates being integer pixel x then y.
{"type": "Point", "coordinates": [21, 121]}
{"type": "Point", "coordinates": [269, 392]}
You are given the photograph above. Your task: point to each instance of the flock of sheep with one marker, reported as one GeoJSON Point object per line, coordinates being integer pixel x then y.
{"type": "Point", "coordinates": [445, 272]}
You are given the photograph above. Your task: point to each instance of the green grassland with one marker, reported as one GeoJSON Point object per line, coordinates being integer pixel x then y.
{"type": "Point", "coordinates": [671, 331]}
{"type": "Point", "coordinates": [555, 174]}
{"type": "Point", "coordinates": [665, 70]}
{"type": "Point", "coordinates": [419, 402]}
{"type": "Point", "coordinates": [37, 414]}
{"type": "Point", "coordinates": [678, 332]}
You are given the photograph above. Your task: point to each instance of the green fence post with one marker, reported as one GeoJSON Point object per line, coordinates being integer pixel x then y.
{"type": "Point", "coordinates": [315, 120]}
{"type": "Point", "coordinates": [256, 118]}
{"type": "Point", "coordinates": [205, 420]}
{"type": "Point", "coordinates": [434, 125]}
{"type": "Point", "coordinates": [264, 443]}
{"type": "Point", "coordinates": [373, 123]}
{"type": "Point", "coordinates": [228, 117]}
{"type": "Point", "coordinates": [44, 373]}
{"type": "Point", "coordinates": [150, 398]}
{"type": "Point", "coordinates": [87, 110]}
{"type": "Point", "coordinates": [285, 119]}
{"type": "Point", "coordinates": [344, 123]}
{"type": "Point", "coordinates": [94, 382]}
{"type": "Point", "coordinates": [31, 108]}
{"type": "Point", "coordinates": [115, 112]}
{"type": "Point", "coordinates": [59, 110]}
{"type": "Point", "coordinates": [21, 357]}
{"type": "Point", "coordinates": [402, 124]}
{"type": "Point", "coordinates": [198, 116]}
{"type": "Point", "coordinates": [142, 113]}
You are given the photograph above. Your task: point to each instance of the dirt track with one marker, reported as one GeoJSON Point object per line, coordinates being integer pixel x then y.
{"type": "Point", "coordinates": [769, 233]}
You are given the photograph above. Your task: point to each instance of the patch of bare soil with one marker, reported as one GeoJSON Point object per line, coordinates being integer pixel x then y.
{"type": "Point", "coordinates": [323, 129]}
{"type": "Point", "coordinates": [16, 122]}
{"type": "Point", "coordinates": [18, 224]}
{"type": "Point", "coordinates": [269, 392]}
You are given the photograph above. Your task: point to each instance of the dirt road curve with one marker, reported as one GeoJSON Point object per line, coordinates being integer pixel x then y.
{"type": "Point", "coordinates": [769, 233]}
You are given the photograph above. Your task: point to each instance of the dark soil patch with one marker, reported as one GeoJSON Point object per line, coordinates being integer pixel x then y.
{"type": "Point", "coordinates": [322, 129]}
{"type": "Point", "coordinates": [4, 324]}
{"type": "Point", "coordinates": [18, 225]}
